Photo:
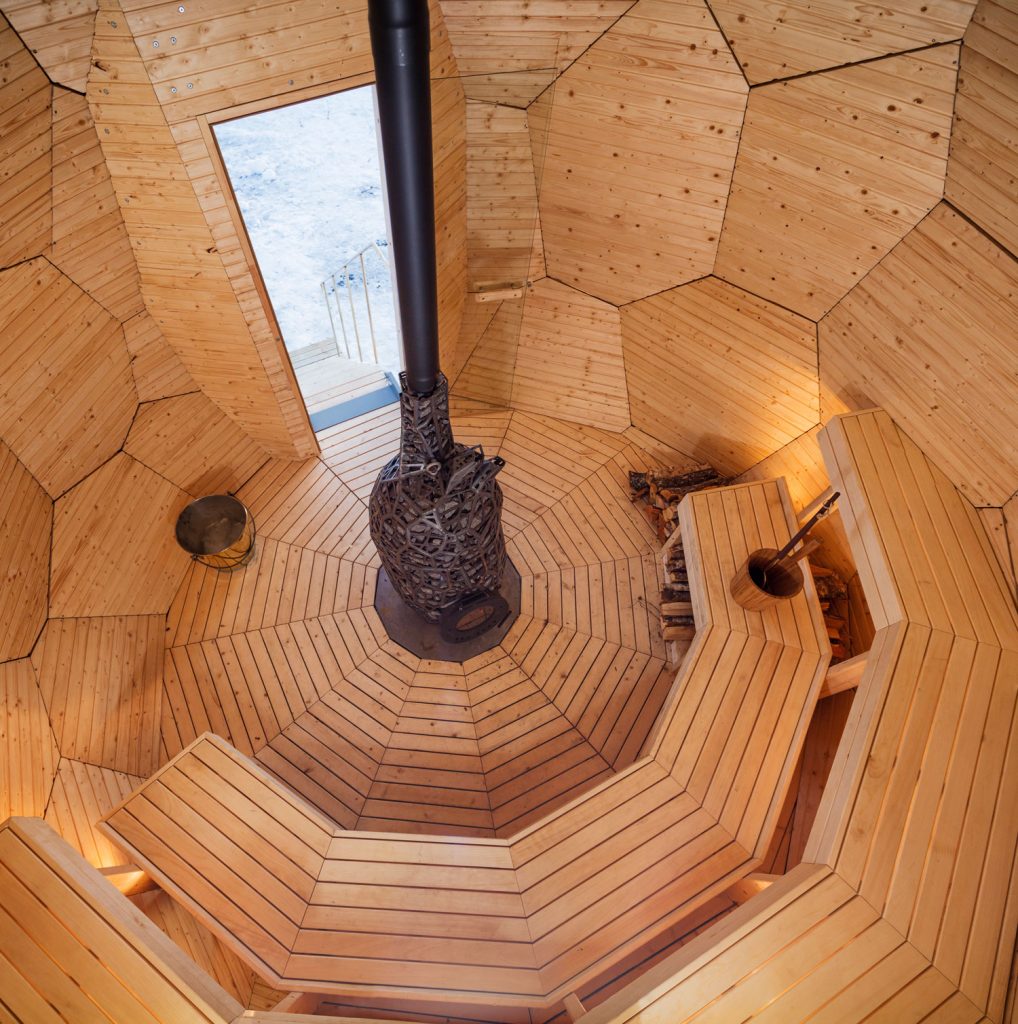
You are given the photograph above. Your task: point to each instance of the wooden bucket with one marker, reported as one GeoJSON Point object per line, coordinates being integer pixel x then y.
{"type": "Point", "coordinates": [751, 591]}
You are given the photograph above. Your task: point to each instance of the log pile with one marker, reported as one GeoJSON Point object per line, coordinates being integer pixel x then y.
{"type": "Point", "coordinates": [832, 591]}
{"type": "Point", "coordinates": [662, 491]}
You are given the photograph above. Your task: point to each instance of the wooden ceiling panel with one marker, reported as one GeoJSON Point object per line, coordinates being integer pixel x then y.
{"type": "Point", "coordinates": [982, 174]}
{"type": "Point", "coordinates": [28, 752]}
{"type": "Point", "coordinates": [501, 197]}
{"type": "Point", "coordinates": [929, 337]}
{"type": "Point", "coordinates": [25, 152]}
{"type": "Point", "coordinates": [833, 170]}
{"type": "Point", "coordinates": [59, 33]}
{"type": "Point", "coordinates": [569, 358]}
{"type": "Point", "coordinates": [777, 40]}
{"type": "Point", "coordinates": [82, 795]}
{"type": "Point", "coordinates": [26, 520]}
{"type": "Point", "coordinates": [191, 443]}
{"type": "Point", "coordinates": [102, 680]}
{"type": "Point", "coordinates": [114, 551]}
{"type": "Point", "coordinates": [720, 373]}
{"type": "Point", "coordinates": [158, 371]}
{"type": "Point", "coordinates": [183, 280]}
{"type": "Point", "coordinates": [510, 51]}
{"type": "Point", "coordinates": [66, 392]}
{"type": "Point", "coordinates": [642, 138]}
{"type": "Point", "coordinates": [90, 243]}
{"type": "Point", "coordinates": [218, 53]}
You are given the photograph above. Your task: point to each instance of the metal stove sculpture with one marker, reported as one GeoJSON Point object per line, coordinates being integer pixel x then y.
{"type": "Point", "coordinates": [435, 510]}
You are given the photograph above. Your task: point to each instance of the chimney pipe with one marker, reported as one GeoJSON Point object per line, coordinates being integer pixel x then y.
{"type": "Point", "coordinates": [400, 42]}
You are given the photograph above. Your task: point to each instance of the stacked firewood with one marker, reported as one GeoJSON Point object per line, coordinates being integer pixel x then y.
{"type": "Point", "coordinates": [662, 491]}
{"type": "Point", "coordinates": [832, 591]}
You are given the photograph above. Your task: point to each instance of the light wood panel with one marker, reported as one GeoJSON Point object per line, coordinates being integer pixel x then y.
{"type": "Point", "coordinates": [202, 160]}
{"type": "Point", "coordinates": [830, 949]}
{"type": "Point", "coordinates": [719, 373]}
{"type": "Point", "coordinates": [183, 280]}
{"type": "Point", "coordinates": [309, 43]}
{"type": "Point", "coordinates": [949, 685]}
{"type": "Point", "coordinates": [772, 41]}
{"type": "Point", "coordinates": [28, 751]}
{"type": "Point", "coordinates": [449, 149]}
{"type": "Point", "coordinates": [983, 167]}
{"type": "Point", "coordinates": [925, 336]}
{"type": "Point", "coordinates": [251, 686]}
{"type": "Point", "coordinates": [510, 53]}
{"type": "Point", "coordinates": [331, 754]}
{"type": "Point", "coordinates": [90, 243]}
{"type": "Point", "coordinates": [533, 758]}
{"type": "Point", "coordinates": [833, 170]}
{"type": "Point", "coordinates": [26, 174]}
{"type": "Point", "coordinates": [158, 371]}
{"type": "Point", "coordinates": [356, 450]}
{"type": "Point", "coordinates": [66, 392]}
{"type": "Point", "coordinates": [306, 504]}
{"type": "Point", "coordinates": [613, 600]}
{"type": "Point", "coordinates": [198, 943]}
{"type": "Point", "coordinates": [187, 440]}
{"type": "Point", "coordinates": [82, 795]}
{"type": "Point", "coordinates": [642, 139]}
{"type": "Point", "coordinates": [501, 197]}
{"type": "Point", "coordinates": [59, 34]}
{"type": "Point", "coordinates": [102, 680]}
{"type": "Point", "coordinates": [546, 459]}
{"type": "Point", "coordinates": [489, 364]}
{"type": "Point", "coordinates": [114, 551]}
{"type": "Point", "coordinates": [282, 584]}
{"type": "Point", "coordinates": [73, 949]}
{"type": "Point", "coordinates": [569, 358]}
{"type": "Point", "coordinates": [26, 522]}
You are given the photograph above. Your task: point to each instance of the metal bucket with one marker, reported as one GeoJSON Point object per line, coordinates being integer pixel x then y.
{"type": "Point", "coordinates": [217, 531]}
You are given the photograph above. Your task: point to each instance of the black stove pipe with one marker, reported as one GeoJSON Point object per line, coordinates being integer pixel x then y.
{"type": "Point", "coordinates": [400, 42]}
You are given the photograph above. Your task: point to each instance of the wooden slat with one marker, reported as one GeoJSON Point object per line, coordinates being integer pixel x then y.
{"type": "Point", "coordinates": [66, 932]}
{"type": "Point", "coordinates": [982, 165]}
{"type": "Point", "coordinates": [90, 243]}
{"type": "Point", "coordinates": [509, 54]}
{"type": "Point", "coordinates": [187, 440]}
{"type": "Point", "coordinates": [642, 137]}
{"type": "Point", "coordinates": [66, 415]}
{"type": "Point", "coordinates": [28, 751]}
{"type": "Point", "coordinates": [569, 358]}
{"type": "Point", "coordinates": [158, 371]}
{"type": "Point", "coordinates": [25, 153]}
{"type": "Point", "coordinates": [772, 42]}
{"type": "Point", "coordinates": [200, 945]}
{"type": "Point", "coordinates": [114, 551]}
{"type": "Point", "coordinates": [719, 373]}
{"type": "Point", "coordinates": [201, 319]}
{"type": "Point", "coordinates": [501, 197]}
{"type": "Point", "coordinates": [59, 34]}
{"type": "Point", "coordinates": [945, 293]}
{"type": "Point", "coordinates": [26, 520]}
{"type": "Point", "coordinates": [833, 170]}
{"type": "Point", "coordinates": [102, 680]}
{"type": "Point", "coordinates": [82, 795]}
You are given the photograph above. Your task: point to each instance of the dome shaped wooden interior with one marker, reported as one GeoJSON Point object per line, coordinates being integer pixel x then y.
{"type": "Point", "coordinates": [779, 241]}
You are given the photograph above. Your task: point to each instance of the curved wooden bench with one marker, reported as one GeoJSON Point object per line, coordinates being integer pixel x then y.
{"type": "Point", "coordinates": [522, 921]}
{"type": "Point", "coordinates": [905, 909]}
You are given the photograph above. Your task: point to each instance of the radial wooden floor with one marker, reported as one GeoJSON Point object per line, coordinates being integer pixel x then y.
{"type": "Point", "coordinates": [288, 661]}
